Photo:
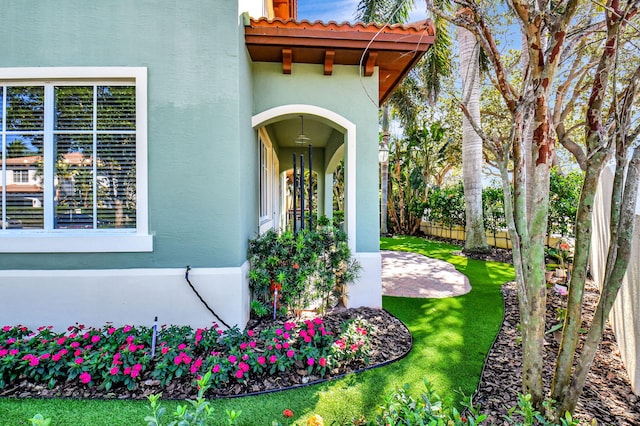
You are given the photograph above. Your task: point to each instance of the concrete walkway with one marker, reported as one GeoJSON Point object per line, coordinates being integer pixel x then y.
{"type": "Point", "coordinates": [408, 274]}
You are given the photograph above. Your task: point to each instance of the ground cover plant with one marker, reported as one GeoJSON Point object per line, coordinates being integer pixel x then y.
{"type": "Point", "coordinates": [450, 339]}
{"type": "Point", "coordinates": [121, 358]}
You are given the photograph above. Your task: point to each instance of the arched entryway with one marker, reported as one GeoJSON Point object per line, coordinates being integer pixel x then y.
{"type": "Point", "coordinates": [333, 138]}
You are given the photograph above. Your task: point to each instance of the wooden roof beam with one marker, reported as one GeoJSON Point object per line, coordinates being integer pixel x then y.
{"type": "Point", "coordinates": [370, 63]}
{"type": "Point", "coordinates": [287, 59]}
{"type": "Point", "coordinates": [329, 55]}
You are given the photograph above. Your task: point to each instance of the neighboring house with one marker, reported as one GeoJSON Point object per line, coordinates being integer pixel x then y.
{"type": "Point", "coordinates": [190, 110]}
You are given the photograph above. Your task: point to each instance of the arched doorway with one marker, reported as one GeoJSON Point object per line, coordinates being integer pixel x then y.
{"type": "Point", "coordinates": [333, 138]}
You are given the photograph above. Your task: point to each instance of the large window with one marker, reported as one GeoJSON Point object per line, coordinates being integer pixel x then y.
{"type": "Point", "coordinates": [81, 138]}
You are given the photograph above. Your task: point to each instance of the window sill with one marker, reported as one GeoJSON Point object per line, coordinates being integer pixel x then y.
{"type": "Point", "coordinates": [75, 243]}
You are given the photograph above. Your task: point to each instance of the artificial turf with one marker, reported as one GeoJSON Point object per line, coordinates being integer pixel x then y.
{"type": "Point", "coordinates": [451, 339]}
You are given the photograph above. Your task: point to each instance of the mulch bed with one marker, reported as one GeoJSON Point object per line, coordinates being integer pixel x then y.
{"type": "Point", "coordinates": [607, 396]}
{"type": "Point", "coordinates": [390, 340]}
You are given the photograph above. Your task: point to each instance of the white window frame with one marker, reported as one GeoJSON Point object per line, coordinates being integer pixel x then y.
{"type": "Point", "coordinates": [20, 176]}
{"type": "Point", "coordinates": [267, 182]}
{"type": "Point", "coordinates": [90, 240]}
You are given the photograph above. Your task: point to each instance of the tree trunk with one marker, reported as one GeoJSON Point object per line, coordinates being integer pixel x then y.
{"type": "Point", "coordinates": [617, 263]}
{"type": "Point", "coordinates": [475, 239]}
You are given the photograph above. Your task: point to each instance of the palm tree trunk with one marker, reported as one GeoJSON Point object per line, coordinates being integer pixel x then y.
{"type": "Point", "coordinates": [475, 239]}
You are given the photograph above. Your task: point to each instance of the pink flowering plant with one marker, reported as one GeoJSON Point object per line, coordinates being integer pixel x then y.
{"type": "Point", "coordinates": [113, 357]}
{"type": "Point", "coordinates": [353, 344]}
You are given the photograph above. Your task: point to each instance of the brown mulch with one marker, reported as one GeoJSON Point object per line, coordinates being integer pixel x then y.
{"type": "Point", "coordinates": [389, 340]}
{"type": "Point", "coordinates": [607, 395]}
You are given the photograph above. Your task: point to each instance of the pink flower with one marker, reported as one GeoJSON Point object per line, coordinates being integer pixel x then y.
{"type": "Point", "coordinates": [290, 353]}
{"type": "Point", "coordinates": [245, 357]}
{"type": "Point", "coordinates": [243, 346]}
{"type": "Point", "coordinates": [186, 358]}
{"type": "Point", "coordinates": [127, 370]}
{"type": "Point", "coordinates": [3, 352]}
{"type": "Point", "coordinates": [262, 360]}
{"type": "Point", "coordinates": [134, 373]}
{"type": "Point", "coordinates": [164, 350]}
{"type": "Point", "coordinates": [11, 341]}
{"type": "Point", "coordinates": [285, 345]}
{"type": "Point", "coordinates": [310, 362]}
{"type": "Point", "coordinates": [111, 330]}
{"type": "Point", "coordinates": [286, 336]}
{"type": "Point", "coordinates": [303, 333]}
{"type": "Point", "coordinates": [289, 326]}
{"type": "Point", "coordinates": [13, 352]}
{"type": "Point", "coordinates": [318, 321]}
{"type": "Point", "coordinates": [34, 361]}
{"type": "Point", "coordinates": [354, 347]}
{"type": "Point", "coordinates": [63, 351]}
{"type": "Point", "coordinates": [86, 335]}
{"type": "Point", "coordinates": [137, 367]}
{"type": "Point", "coordinates": [126, 328]}
{"type": "Point", "coordinates": [232, 359]}
{"type": "Point", "coordinates": [196, 366]}
{"type": "Point", "coordinates": [250, 333]}
{"type": "Point", "coordinates": [132, 348]}
{"type": "Point", "coordinates": [6, 328]}
{"type": "Point", "coordinates": [243, 366]}
{"type": "Point", "coordinates": [273, 359]}
{"type": "Point", "coordinates": [130, 339]}
{"type": "Point", "coordinates": [78, 360]}
{"type": "Point", "coordinates": [56, 357]}
{"type": "Point", "coordinates": [45, 356]}
{"type": "Point", "coordinates": [307, 339]}
{"type": "Point", "coordinates": [216, 368]}
{"type": "Point", "coordinates": [85, 377]}
{"type": "Point", "coordinates": [322, 362]}
{"type": "Point", "coordinates": [114, 370]}
{"type": "Point", "coordinates": [77, 352]}
{"type": "Point", "coordinates": [178, 359]}
{"type": "Point", "coordinates": [278, 346]}
{"type": "Point", "coordinates": [239, 374]}
{"type": "Point", "coordinates": [75, 344]}
{"type": "Point", "coordinates": [252, 344]}
{"type": "Point", "coordinates": [279, 332]}
{"type": "Point", "coordinates": [182, 347]}
{"type": "Point", "coordinates": [61, 340]}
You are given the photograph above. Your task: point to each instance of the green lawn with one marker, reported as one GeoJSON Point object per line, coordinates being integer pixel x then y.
{"type": "Point", "coordinates": [451, 339]}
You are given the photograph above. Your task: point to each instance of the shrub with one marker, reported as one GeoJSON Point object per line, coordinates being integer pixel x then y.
{"type": "Point", "coordinates": [303, 267]}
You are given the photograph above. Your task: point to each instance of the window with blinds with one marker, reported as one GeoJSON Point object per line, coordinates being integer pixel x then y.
{"type": "Point", "coordinates": [73, 149]}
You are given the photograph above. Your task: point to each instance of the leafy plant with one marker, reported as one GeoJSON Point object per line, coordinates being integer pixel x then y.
{"type": "Point", "coordinates": [302, 267]}
{"type": "Point", "coordinates": [113, 358]}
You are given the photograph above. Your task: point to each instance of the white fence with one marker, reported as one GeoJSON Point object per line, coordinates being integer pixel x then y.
{"type": "Point", "coordinates": [625, 316]}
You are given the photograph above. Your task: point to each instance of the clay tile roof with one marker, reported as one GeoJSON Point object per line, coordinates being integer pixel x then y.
{"type": "Point", "coordinates": [394, 49]}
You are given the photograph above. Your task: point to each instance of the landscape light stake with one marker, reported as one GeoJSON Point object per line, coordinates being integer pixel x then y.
{"type": "Point", "coordinates": [154, 336]}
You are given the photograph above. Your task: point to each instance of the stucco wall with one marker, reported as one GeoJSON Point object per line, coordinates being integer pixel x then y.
{"type": "Point", "coordinates": [308, 85]}
{"type": "Point", "coordinates": [202, 162]}
{"type": "Point", "coordinates": [200, 141]}
{"type": "Point", "coordinates": [625, 315]}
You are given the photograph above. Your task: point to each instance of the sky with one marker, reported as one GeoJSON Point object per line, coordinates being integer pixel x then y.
{"type": "Point", "coordinates": [343, 10]}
